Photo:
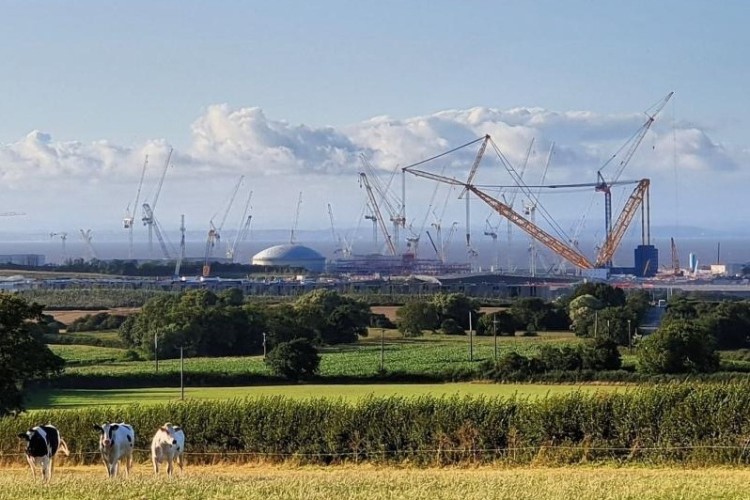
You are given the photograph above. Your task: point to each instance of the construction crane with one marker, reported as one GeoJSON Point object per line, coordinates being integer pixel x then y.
{"type": "Point", "coordinates": [293, 235]}
{"type": "Point", "coordinates": [630, 147]}
{"type": "Point", "coordinates": [504, 210]}
{"type": "Point", "coordinates": [364, 182]}
{"type": "Point", "coordinates": [87, 236]}
{"type": "Point", "coordinates": [465, 194]}
{"type": "Point", "coordinates": [530, 212]}
{"type": "Point", "coordinates": [676, 269]}
{"type": "Point", "coordinates": [374, 219]}
{"type": "Point", "coordinates": [491, 231]}
{"type": "Point", "coordinates": [149, 209]}
{"type": "Point", "coordinates": [63, 239]}
{"type": "Point", "coordinates": [393, 206]}
{"type": "Point", "coordinates": [242, 231]}
{"type": "Point", "coordinates": [639, 197]}
{"type": "Point", "coordinates": [129, 221]}
{"type": "Point", "coordinates": [343, 246]}
{"type": "Point", "coordinates": [181, 255]}
{"type": "Point", "coordinates": [155, 226]}
{"type": "Point", "coordinates": [214, 233]}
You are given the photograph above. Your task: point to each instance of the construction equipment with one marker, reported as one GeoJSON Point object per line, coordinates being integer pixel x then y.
{"type": "Point", "coordinates": [181, 255]}
{"type": "Point", "coordinates": [243, 230]}
{"type": "Point", "coordinates": [530, 212]}
{"type": "Point", "coordinates": [374, 219]}
{"type": "Point", "coordinates": [87, 236]}
{"type": "Point", "coordinates": [640, 196]}
{"type": "Point", "coordinates": [630, 146]}
{"type": "Point", "coordinates": [343, 246]}
{"type": "Point", "coordinates": [128, 221]}
{"type": "Point", "coordinates": [148, 213]}
{"type": "Point", "coordinates": [393, 206]}
{"type": "Point", "coordinates": [293, 235]}
{"type": "Point", "coordinates": [491, 231]}
{"type": "Point", "coordinates": [364, 182]}
{"type": "Point", "coordinates": [214, 233]}
{"type": "Point", "coordinates": [676, 269]}
{"type": "Point", "coordinates": [63, 239]}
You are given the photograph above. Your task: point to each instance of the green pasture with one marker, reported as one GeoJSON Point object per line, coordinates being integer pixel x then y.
{"type": "Point", "coordinates": [75, 353]}
{"type": "Point", "coordinates": [426, 355]}
{"type": "Point", "coordinates": [79, 398]}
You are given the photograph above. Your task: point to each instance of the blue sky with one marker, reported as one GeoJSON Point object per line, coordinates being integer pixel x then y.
{"type": "Point", "coordinates": [106, 82]}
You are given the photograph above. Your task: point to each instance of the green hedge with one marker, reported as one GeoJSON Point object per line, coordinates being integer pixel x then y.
{"type": "Point", "coordinates": [674, 423]}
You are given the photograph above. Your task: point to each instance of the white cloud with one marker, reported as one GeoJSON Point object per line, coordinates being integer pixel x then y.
{"type": "Point", "coordinates": [280, 159]}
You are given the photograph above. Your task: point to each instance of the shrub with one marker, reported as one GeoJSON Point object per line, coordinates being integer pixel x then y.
{"type": "Point", "coordinates": [678, 347]}
{"type": "Point", "coordinates": [451, 327]}
{"type": "Point", "coordinates": [295, 360]}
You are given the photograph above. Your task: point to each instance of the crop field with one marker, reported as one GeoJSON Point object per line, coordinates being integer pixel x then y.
{"type": "Point", "coordinates": [427, 355]}
{"type": "Point", "coordinates": [80, 398]}
{"type": "Point", "coordinates": [86, 354]}
{"type": "Point", "coordinates": [267, 481]}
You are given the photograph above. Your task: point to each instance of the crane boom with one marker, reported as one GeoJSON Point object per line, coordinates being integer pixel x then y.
{"type": "Point", "coordinates": [161, 181]}
{"type": "Point", "coordinates": [293, 236]}
{"type": "Point", "coordinates": [477, 161]}
{"type": "Point", "coordinates": [504, 210]}
{"type": "Point", "coordinates": [623, 221]}
{"type": "Point", "coordinates": [374, 205]}
{"type": "Point", "coordinates": [243, 229]}
{"type": "Point", "coordinates": [149, 213]}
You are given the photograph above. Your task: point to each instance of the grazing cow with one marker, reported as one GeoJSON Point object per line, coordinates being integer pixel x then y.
{"type": "Point", "coordinates": [168, 444]}
{"type": "Point", "coordinates": [116, 441]}
{"type": "Point", "coordinates": [44, 441]}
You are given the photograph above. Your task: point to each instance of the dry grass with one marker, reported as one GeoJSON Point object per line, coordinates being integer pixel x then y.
{"type": "Point", "coordinates": [263, 482]}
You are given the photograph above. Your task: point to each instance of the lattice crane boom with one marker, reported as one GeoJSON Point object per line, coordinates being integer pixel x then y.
{"type": "Point", "coordinates": [374, 205]}
{"type": "Point", "coordinates": [612, 242]}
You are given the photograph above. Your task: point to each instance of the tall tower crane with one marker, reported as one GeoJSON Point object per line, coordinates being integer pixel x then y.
{"type": "Point", "coordinates": [87, 236]}
{"type": "Point", "coordinates": [129, 219]}
{"type": "Point", "coordinates": [149, 209]}
{"type": "Point", "coordinates": [530, 212]}
{"type": "Point", "coordinates": [181, 255]}
{"type": "Point", "coordinates": [364, 181]}
{"type": "Point", "coordinates": [293, 235]}
{"type": "Point", "coordinates": [242, 231]}
{"type": "Point", "coordinates": [214, 233]}
{"type": "Point", "coordinates": [63, 239]}
{"type": "Point", "coordinates": [630, 146]}
{"type": "Point", "coordinates": [392, 205]}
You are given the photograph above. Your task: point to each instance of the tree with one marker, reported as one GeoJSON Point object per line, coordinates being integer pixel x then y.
{"type": "Point", "coordinates": [415, 317]}
{"type": "Point", "coordinates": [23, 356]}
{"type": "Point", "coordinates": [295, 360]}
{"type": "Point", "coordinates": [505, 323]}
{"type": "Point", "coordinates": [609, 296]}
{"type": "Point", "coordinates": [456, 306]}
{"type": "Point", "coordinates": [335, 318]}
{"type": "Point", "coordinates": [678, 347]}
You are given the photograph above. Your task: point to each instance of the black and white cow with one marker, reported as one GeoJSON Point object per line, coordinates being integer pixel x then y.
{"type": "Point", "coordinates": [44, 442]}
{"type": "Point", "coordinates": [116, 441]}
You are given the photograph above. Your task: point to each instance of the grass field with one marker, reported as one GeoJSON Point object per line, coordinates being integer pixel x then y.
{"type": "Point", "coordinates": [86, 354]}
{"type": "Point", "coordinates": [263, 482]}
{"type": "Point", "coordinates": [421, 356]}
{"type": "Point", "coordinates": [79, 398]}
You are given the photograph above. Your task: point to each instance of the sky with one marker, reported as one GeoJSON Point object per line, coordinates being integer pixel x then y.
{"type": "Point", "coordinates": [291, 94]}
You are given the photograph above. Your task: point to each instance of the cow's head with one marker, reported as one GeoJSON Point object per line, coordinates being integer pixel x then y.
{"type": "Point", "coordinates": [106, 432]}
{"type": "Point", "coordinates": [26, 435]}
{"type": "Point", "coordinates": [169, 430]}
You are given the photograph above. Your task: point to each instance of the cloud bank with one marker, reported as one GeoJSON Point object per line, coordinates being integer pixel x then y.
{"type": "Point", "coordinates": [225, 142]}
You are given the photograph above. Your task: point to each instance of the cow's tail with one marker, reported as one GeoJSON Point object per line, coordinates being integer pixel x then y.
{"type": "Point", "coordinates": [64, 447]}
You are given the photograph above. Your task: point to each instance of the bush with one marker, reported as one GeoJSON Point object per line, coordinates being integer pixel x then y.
{"type": "Point", "coordinates": [678, 347]}
{"type": "Point", "coordinates": [295, 360]}
{"type": "Point", "coordinates": [600, 354]}
{"type": "Point", "coordinates": [451, 327]}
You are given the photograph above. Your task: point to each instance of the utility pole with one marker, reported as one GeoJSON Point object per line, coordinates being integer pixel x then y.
{"type": "Point", "coordinates": [596, 323]}
{"type": "Point", "coordinates": [182, 374]}
{"type": "Point", "coordinates": [494, 333]}
{"type": "Point", "coordinates": [156, 350]}
{"type": "Point", "coordinates": [471, 341]}
{"type": "Point", "coordinates": [264, 345]}
{"type": "Point", "coordinates": [630, 338]}
{"type": "Point", "coordinates": [382, 350]}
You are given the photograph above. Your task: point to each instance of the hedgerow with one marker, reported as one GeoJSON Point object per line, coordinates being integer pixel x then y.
{"type": "Point", "coordinates": [672, 423]}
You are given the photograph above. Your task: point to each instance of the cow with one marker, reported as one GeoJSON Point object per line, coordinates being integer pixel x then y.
{"type": "Point", "coordinates": [116, 442]}
{"type": "Point", "coordinates": [168, 444]}
{"type": "Point", "coordinates": [44, 442]}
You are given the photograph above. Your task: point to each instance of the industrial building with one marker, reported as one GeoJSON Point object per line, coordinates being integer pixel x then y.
{"type": "Point", "coordinates": [293, 256]}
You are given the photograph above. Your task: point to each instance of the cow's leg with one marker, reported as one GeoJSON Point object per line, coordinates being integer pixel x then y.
{"type": "Point", "coordinates": [30, 460]}
{"type": "Point", "coordinates": [129, 464]}
{"type": "Point", "coordinates": [114, 467]}
{"type": "Point", "coordinates": [179, 461]}
{"type": "Point", "coordinates": [170, 467]}
{"type": "Point", "coordinates": [155, 462]}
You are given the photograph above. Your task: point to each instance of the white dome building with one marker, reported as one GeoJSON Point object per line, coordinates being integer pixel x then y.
{"type": "Point", "coordinates": [291, 256]}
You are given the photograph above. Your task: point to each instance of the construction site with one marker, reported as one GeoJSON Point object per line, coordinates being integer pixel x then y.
{"type": "Point", "coordinates": [420, 244]}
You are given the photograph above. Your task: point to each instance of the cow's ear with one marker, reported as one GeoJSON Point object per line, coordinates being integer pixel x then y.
{"type": "Point", "coordinates": [98, 428]}
{"type": "Point", "coordinates": [164, 429]}
{"type": "Point", "coordinates": [176, 428]}
{"type": "Point", "coordinates": [114, 427]}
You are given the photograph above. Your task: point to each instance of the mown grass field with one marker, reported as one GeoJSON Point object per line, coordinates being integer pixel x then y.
{"type": "Point", "coordinates": [371, 482]}
{"type": "Point", "coordinates": [80, 398]}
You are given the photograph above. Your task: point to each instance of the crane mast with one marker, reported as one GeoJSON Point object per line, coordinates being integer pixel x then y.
{"type": "Point", "coordinates": [148, 215]}
{"type": "Point", "coordinates": [181, 255]}
{"type": "Point", "coordinates": [242, 230]}
{"type": "Point", "coordinates": [640, 195]}
{"type": "Point", "coordinates": [293, 236]}
{"type": "Point", "coordinates": [604, 186]}
{"type": "Point", "coordinates": [374, 205]}
{"type": "Point", "coordinates": [214, 233]}
{"type": "Point", "coordinates": [128, 221]}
